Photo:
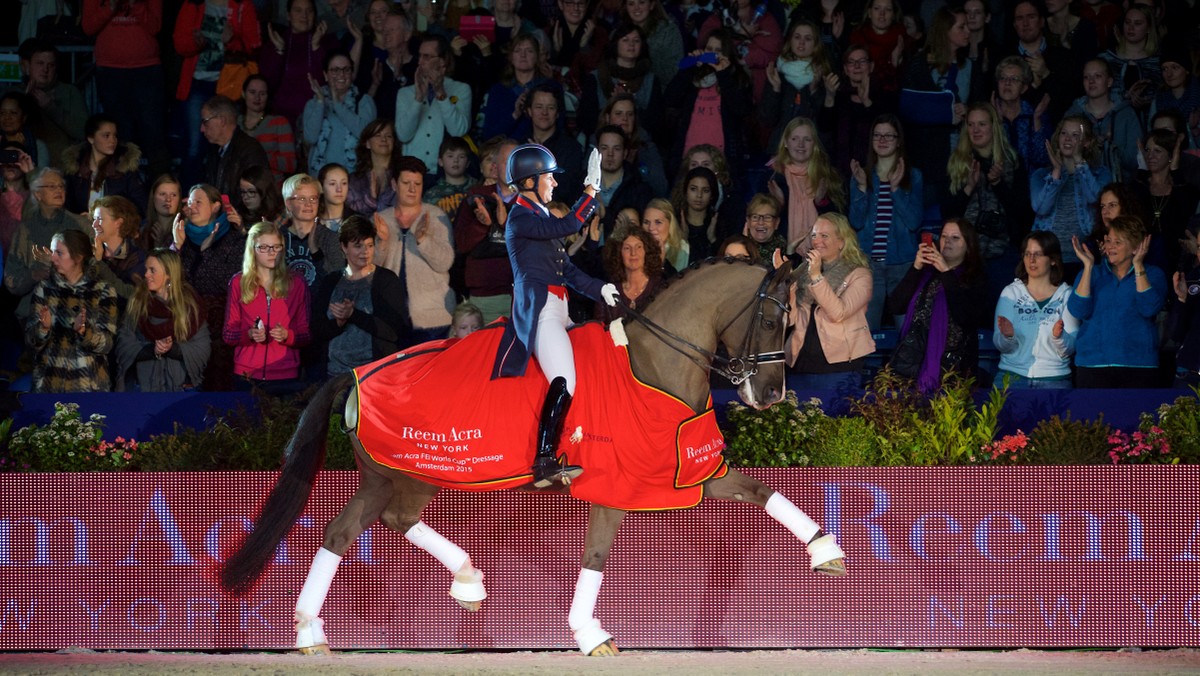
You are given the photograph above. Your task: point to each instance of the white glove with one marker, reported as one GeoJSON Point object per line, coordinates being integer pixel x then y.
{"type": "Point", "coordinates": [609, 293]}
{"type": "Point", "coordinates": [593, 171]}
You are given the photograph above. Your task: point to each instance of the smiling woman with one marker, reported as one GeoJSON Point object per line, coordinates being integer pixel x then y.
{"type": "Point", "coordinates": [336, 114]}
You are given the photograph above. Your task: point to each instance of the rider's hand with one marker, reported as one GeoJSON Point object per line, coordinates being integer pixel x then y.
{"type": "Point", "coordinates": [609, 293]}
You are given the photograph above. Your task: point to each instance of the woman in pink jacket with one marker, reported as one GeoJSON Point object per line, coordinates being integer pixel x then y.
{"type": "Point", "coordinates": [831, 337]}
{"type": "Point", "coordinates": [266, 318]}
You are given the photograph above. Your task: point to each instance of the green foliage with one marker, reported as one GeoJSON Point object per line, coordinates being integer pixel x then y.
{"type": "Point", "coordinates": [844, 442]}
{"type": "Point", "coordinates": [1063, 441]}
{"type": "Point", "coordinates": [953, 430]}
{"type": "Point", "coordinates": [888, 405]}
{"type": "Point", "coordinates": [1179, 422]}
{"type": "Point", "coordinates": [68, 444]}
{"type": "Point", "coordinates": [775, 437]}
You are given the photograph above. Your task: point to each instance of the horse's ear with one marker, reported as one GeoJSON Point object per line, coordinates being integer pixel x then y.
{"type": "Point", "coordinates": [783, 273]}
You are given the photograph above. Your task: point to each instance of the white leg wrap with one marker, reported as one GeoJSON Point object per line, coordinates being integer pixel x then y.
{"type": "Point", "coordinates": [469, 590]}
{"type": "Point", "coordinates": [823, 550]}
{"type": "Point", "coordinates": [588, 634]}
{"type": "Point", "coordinates": [309, 627]}
{"type": "Point", "coordinates": [782, 510]}
{"type": "Point", "coordinates": [451, 555]}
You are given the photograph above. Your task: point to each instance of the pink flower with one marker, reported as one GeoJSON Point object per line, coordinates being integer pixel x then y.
{"type": "Point", "coordinates": [127, 456]}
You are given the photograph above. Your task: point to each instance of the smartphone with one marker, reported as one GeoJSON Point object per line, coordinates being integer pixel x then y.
{"type": "Point", "coordinates": [226, 202]}
{"type": "Point", "coordinates": [927, 238]}
{"type": "Point", "coordinates": [10, 156]}
{"type": "Point", "coordinates": [258, 323]}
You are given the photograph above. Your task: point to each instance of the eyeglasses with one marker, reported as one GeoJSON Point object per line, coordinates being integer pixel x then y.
{"type": "Point", "coordinates": [884, 137]}
{"type": "Point", "coordinates": [1010, 80]}
{"type": "Point", "coordinates": [1033, 255]}
{"type": "Point", "coordinates": [761, 218]}
{"type": "Point", "coordinates": [268, 248]}
{"type": "Point", "coordinates": [858, 62]}
{"type": "Point", "coordinates": [52, 186]}
{"type": "Point", "coordinates": [343, 70]}
{"type": "Point", "coordinates": [205, 120]}
{"type": "Point", "coordinates": [304, 200]}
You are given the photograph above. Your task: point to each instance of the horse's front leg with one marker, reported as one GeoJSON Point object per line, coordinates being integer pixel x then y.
{"type": "Point", "coordinates": [825, 555]}
{"type": "Point", "coordinates": [603, 523]}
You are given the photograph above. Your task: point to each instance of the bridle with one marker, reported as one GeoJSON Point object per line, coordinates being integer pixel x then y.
{"type": "Point", "coordinates": [736, 369]}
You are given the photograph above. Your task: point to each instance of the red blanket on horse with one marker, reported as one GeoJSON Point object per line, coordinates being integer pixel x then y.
{"type": "Point", "coordinates": [433, 412]}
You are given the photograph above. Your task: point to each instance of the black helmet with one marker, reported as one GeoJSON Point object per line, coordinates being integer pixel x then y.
{"type": "Point", "coordinates": [528, 160]}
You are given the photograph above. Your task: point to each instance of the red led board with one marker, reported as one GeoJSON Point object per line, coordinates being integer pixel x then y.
{"type": "Point", "coordinates": [987, 557]}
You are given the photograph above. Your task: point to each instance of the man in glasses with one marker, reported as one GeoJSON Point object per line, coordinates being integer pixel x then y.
{"type": "Point", "coordinates": [231, 150]}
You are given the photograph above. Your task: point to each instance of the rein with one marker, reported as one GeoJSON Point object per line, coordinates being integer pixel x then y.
{"type": "Point", "coordinates": [736, 369]}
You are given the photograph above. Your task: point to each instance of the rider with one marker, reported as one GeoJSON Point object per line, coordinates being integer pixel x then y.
{"type": "Point", "coordinates": [541, 271]}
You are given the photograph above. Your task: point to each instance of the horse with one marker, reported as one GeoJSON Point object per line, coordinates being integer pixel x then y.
{"type": "Point", "coordinates": [671, 348]}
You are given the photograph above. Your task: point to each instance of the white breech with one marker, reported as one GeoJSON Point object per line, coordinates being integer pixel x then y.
{"type": "Point", "coordinates": [581, 618]}
{"type": "Point", "coordinates": [552, 347]}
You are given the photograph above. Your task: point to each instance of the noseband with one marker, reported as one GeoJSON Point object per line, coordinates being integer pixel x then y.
{"type": "Point", "coordinates": [736, 369]}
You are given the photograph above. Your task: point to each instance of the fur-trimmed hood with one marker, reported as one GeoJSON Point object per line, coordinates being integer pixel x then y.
{"type": "Point", "coordinates": [125, 160]}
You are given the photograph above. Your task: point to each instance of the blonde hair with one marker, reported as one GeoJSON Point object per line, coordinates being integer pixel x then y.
{"type": "Point", "coordinates": [281, 280]}
{"type": "Point", "coordinates": [294, 183]}
{"type": "Point", "coordinates": [181, 299]}
{"type": "Point", "coordinates": [852, 253]}
{"type": "Point", "coordinates": [464, 309]}
{"type": "Point", "coordinates": [675, 238]}
{"type": "Point", "coordinates": [1152, 35]}
{"type": "Point", "coordinates": [819, 167]}
{"type": "Point", "coordinates": [959, 166]}
{"type": "Point", "coordinates": [819, 59]}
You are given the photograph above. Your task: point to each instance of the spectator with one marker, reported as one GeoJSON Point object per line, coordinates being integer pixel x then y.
{"type": "Point", "coordinates": [882, 36]}
{"type": "Point", "coordinates": [374, 51]}
{"type": "Point", "coordinates": [577, 41]}
{"type": "Point", "coordinates": [292, 55]}
{"type": "Point", "coordinates": [273, 132]}
{"type": "Point", "coordinates": [739, 246]}
{"type": "Point", "coordinates": [454, 157]}
{"type": "Point", "coordinates": [1033, 331]}
{"type": "Point", "coordinates": [434, 106]}
{"type": "Point", "coordinates": [505, 106]}
{"type": "Point", "coordinates": [664, 44]}
{"type": "Point", "coordinates": [796, 79]}
{"type": "Point", "coordinates": [546, 110]}
{"type": "Point", "coordinates": [467, 319]}
{"type": "Point", "coordinates": [14, 127]}
{"type": "Point", "coordinates": [211, 250]}
{"type": "Point", "coordinates": [658, 218]}
{"type": "Point", "coordinates": [128, 68]}
{"type": "Point", "coordinates": [163, 344]}
{"type": "Point", "coordinates": [336, 115]}
{"type": "Point", "coordinates": [1134, 63]}
{"type": "Point", "coordinates": [102, 166]}
{"type": "Point", "coordinates": [989, 187]}
{"type": "Point", "coordinates": [695, 202]}
{"type": "Point", "coordinates": [204, 35]}
{"type": "Point", "coordinates": [762, 224]}
{"type": "Point", "coordinates": [731, 203]}
{"type": "Point", "coordinates": [266, 315]}
{"type": "Point", "coordinates": [310, 249]}
{"type": "Point", "coordinates": [942, 300]}
{"type": "Point", "coordinates": [984, 51]}
{"type": "Point", "coordinates": [1114, 122]}
{"type": "Point", "coordinates": [1116, 199]}
{"type": "Point", "coordinates": [1105, 15]}
{"type": "Point", "coordinates": [120, 262]}
{"type": "Point", "coordinates": [231, 151]}
{"type": "Point", "coordinates": [259, 197]}
{"type": "Point", "coordinates": [62, 111]}
{"type": "Point", "coordinates": [1181, 89]}
{"type": "Point", "coordinates": [369, 318]}
{"type": "Point", "coordinates": [415, 242]}
{"type": "Point", "coordinates": [631, 258]}
{"type": "Point", "coordinates": [626, 69]}
{"type": "Point", "coordinates": [164, 203]}
{"type": "Point", "coordinates": [886, 210]}
{"type": "Point", "coordinates": [707, 103]}
{"type": "Point", "coordinates": [1027, 127]}
{"type": "Point", "coordinates": [376, 158]}
{"type": "Point", "coordinates": [1172, 202]}
{"type": "Point", "coordinates": [1055, 69]}
{"type": "Point", "coordinates": [28, 260]}
{"type": "Point", "coordinates": [852, 102]}
{"type": "Point", "coordinates": [758, 36]}
{"type": "Point", "coordinates": [831, 340]}
{"type": "Point", "coordinates": [335, 188]}
{"type": "Point", "coordinates": [1117, 302]}
{"type": "Point", "coordinates": [641, 152]}
{"type": "Point", "coordinates": [343, 20]}
{"type": "Point", "coordinates": [1184, 321]}
{"type": "Point", "coordinates": [73, 321]}
{"type": "Point", "coordinates": [1068, 30]}
{"type": "Point", "coordinates": [620, 185]}
{"type": "Point", "coordinates": [14, 191]}
{"type": "Point", "coordinates": [395, 69]}
{"type": "Point", "coordinates": [479, 226]}
{"type": "Point", "coordinates": [804, 181]}
{"type": "Point", "coordinates": [1064, 195]}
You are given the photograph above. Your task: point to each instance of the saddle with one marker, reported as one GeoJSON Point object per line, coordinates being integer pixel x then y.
{"type": "Point", "coordinates": [434, 412]}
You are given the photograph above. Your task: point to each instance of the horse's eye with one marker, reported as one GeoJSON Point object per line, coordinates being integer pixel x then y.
{"type": "Point", "coordinates": [769, 324]}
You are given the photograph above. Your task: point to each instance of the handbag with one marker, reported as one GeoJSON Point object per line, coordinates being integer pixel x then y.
{"type": "Point", "coordinates": [237, 68]}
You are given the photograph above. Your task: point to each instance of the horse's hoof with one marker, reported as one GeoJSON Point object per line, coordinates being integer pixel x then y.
{"type": "Point", "coordinates": [606, 649]}
{"type": "Point", "coordinates": [835, 568]}
{"type": "Point", "coordinates": [470, 606]}
{"type": "Point", "coordinates": [322, 649]}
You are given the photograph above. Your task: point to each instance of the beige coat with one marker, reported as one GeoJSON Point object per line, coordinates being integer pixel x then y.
{"type": "Point", "coordinates": [427, 264]}
{"type": "Point", "coordinates": [841, 316]}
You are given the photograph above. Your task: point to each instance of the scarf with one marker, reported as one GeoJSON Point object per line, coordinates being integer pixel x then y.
{"type": "Point", "coordinates": [798, 73]}
{"type": "Point", "coordinates": [929, 378]}
{"type": "Point", "coordinates": [801, 207]}
{"type": "Point", "coordinates": [616, 79]}
{"type": "Point", "coordinates": [835, 274]}
{"type": "Point", "coordinates": [196, 234]}
{"type": "Point", "coordinates": [159, 321]}
{"type": "Point", "coordinates": [349, 141]}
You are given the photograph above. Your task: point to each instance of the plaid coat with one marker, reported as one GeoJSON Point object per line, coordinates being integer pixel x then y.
{"type": "Point", "coordinates": [69, 361]}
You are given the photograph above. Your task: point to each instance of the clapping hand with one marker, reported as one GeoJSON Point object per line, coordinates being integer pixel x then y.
{"type": "Point", "coordinates": [45, 319]}
{"type": "Point", "coordinates": [316, 89]}
{"type": "Point", "coordinates": [1057, 329]}
{"type": "Point", "coordinates": [896, 175]}
{"type": "Point", "coordinates": [1083, 253]}
{"type": "Point", "coordinates": [814, 264]}
{"type": "Point", "coordinates": [1006, 326]}
{"type": "Point", "coordinates": [163, 346]}
{"type": "Point", "coordinates": [859, 174]}
{"type": "Point", "coordinates": [342, 310]}
{"type": "Point", "coordinates": [80, 323]}
{"type": "Point", "coordinates": [275, 38]}
{"type": "Point", "coordinates": [318, 33]}
{"type": "Point", "coordinates": [1139, 254]}
{"type": "Point", "coordinates": [279, 333]}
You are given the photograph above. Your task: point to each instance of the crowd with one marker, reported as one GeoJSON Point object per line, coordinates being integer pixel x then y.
{"type": "Point", "coordinates": [282, 190]}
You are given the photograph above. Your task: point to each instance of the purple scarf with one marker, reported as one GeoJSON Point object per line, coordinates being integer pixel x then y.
{"type": "Point", "coordinates": [929, 378]}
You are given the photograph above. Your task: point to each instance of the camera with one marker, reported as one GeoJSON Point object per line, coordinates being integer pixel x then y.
{"type": "Point", "coordinates": [10, 156]}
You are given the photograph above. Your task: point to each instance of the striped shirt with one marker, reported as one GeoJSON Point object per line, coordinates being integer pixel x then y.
{"type": "Point", "coordinates": [883, 219]}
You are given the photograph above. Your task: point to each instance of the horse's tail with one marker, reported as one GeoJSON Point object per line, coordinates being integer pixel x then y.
{"type": "Point", "coordinates": [303, 458]}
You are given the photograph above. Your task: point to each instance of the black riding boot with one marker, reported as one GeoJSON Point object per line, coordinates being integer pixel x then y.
{"type": "Point", "coordinates": [546, 467]}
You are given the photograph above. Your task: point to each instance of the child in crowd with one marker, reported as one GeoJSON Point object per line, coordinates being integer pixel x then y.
{"type": "Point", "coordinates": [467, 319]}
{"type": "Point", "coordinates": [453, 182]}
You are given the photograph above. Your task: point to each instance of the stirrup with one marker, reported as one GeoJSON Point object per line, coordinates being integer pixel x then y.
{"type": "Point", "coordinates": [547, 471]}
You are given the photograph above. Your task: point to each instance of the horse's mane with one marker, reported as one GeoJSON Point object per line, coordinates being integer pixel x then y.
{"type": "Point", "coordinates": [709, 262]}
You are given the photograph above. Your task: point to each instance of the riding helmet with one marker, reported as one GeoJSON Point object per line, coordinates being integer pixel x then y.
{"type": "Point", "coordinates": [529, 160]}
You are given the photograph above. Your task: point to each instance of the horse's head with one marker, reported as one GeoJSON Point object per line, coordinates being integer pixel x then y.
{"type": "Point", "coordinates": [754, 340]}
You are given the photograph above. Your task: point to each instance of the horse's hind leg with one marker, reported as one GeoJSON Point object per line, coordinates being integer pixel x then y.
{"type": "Point", "coordinates": [603, 523]}
{"type": "Point", "coordinates": [373, 495]}
{"type": "Point", "coordinates": [403, 515]}
{"type": "Point", "coordinates": [825, 555]}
